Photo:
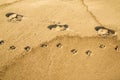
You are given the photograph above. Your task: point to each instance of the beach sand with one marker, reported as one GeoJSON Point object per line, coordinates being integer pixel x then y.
{"type": "Point", "coordinates": [59, 40]}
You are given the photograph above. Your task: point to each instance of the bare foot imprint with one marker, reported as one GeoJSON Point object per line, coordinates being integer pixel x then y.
{"type": "Point", "coordinates": [12, 47]}
{"type": "Point", "coordinates": [59, 45]}
{"type": "Point", "coordinates": [14, 17]}
{"type": "Point", "coordinates": [58, 27]}
{"type": "Point", "coordinates": [88, 52]}
{"type": "Point", "coordinates": [2, 42]}
{"type": "Point", "coordinates": [73, 51]}
{"type": "Point", "coordinates": [27, 48]}
{"type": "Point", "coordinates": [102, 31]}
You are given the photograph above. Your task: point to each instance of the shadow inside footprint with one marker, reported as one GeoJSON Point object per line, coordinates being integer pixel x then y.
{"type": "Point", "coordinates": [59, 45]}
{"type": "Point", "coordinates": [52, 26]}
{"type": "Point", "coordinates": [102, 31]}
{"type": "Point", "coordinates": [88, 52]}
{"type": "Point", "coordinates": [2, 42]}
{"type": "Point", "coordinates": [12, 47]}
{"type": "Point", "coordinates": [27, 48]}
{"type": "Point", "coordinates": [58, 27]}
{"type": "Point", "coordinates": [9, 14]}
{"type": "Point", "coordinates": [44, 45]}
{"type": "Point", "coordinates": [13, 17]}
{"type": "Point", "coordinates": [73, 51]}
{"type": "Point", "coordinates": [97, 28]}
{"type": "Point", "coordinates": [117, 48]}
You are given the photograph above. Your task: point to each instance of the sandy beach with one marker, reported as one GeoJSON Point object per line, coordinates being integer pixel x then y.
{"type": "Point", "coordinates": [59, 40]}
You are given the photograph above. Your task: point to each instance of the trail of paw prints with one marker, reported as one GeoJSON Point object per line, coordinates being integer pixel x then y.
{"type": "Point", "coordinates": [104, 32]}
{"type": "Point", "coordinates": [61, 46]}
{"type": "Point", "coordinates": [14, 17]}
{"type": "Point", "coordinates": [58, 27]}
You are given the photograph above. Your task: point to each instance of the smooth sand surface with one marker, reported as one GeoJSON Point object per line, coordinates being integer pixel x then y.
{"type": "Point", "coordinates": [59, 40]}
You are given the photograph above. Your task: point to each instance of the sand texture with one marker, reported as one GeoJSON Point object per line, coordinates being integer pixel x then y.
{"type": "Point", "coordinates": [59, 39]}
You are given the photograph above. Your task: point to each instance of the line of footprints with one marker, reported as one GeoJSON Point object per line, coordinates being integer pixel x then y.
{"type": "Point", "coordinates": [27, 48]}
{"type": "Point", "coordinates": [101, 31]}
{"type": "Point", "coordinates": [74, 51]}
{"type": "Point", "coordinates": [58, 45]}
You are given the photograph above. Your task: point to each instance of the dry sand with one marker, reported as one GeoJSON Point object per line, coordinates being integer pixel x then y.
{"type": "Point", "coordinates": [59, 40]}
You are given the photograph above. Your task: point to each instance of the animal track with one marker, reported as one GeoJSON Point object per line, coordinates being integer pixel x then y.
{"type": "Point", "coordinates": [102, 31]}
{"type": "Point", "coordinates": [14, 17]}
{"type": "Point", "coordinates": [44, 45]}
{"type": "Point", "coordinates": [27, 48]}
{"type": "Point", "coordinates": [88, 52]}
{"type": "Point", "coordinates": [117, 48]}
{"type": "Point", "coordinates": [12, 47]}
{"type": "Point", "coordinates": [101, 46]}
{"type": "Point", "coordinates": [2, 42]}
{"type": "Point", "coordinates": [73, 51]}
{"type": "Point", "coordinates": [59, 45]}
{"type": "Point", "coordinates": [58, 27]}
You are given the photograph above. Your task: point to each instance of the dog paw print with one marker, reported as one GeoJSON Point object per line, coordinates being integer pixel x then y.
{"type": "Point", "coordinates": [117, 48]}
{"type": "Point", "coordinates": [59, 45]}
{"type": "Point", "coordinates": [58, 27]}
{"type": "Point", "coordinates": [73, 51]}
{"type": "Point", "coordinates": [2, 42]}
{"type": "Point", "coordinates": [102, 31]}
{"type": "Point", "coordinates": [88, 52]}
{"type": "Point", "coordinates": [14, 17]}
{"type": "Point", "coordinates": [12, 47]}
{"type": "Point", "coordinates": [44, 45]}
{"type": "Point", "coordinates": [27, 48]}
{"type": "Point", "coordinates": [101, 46]}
